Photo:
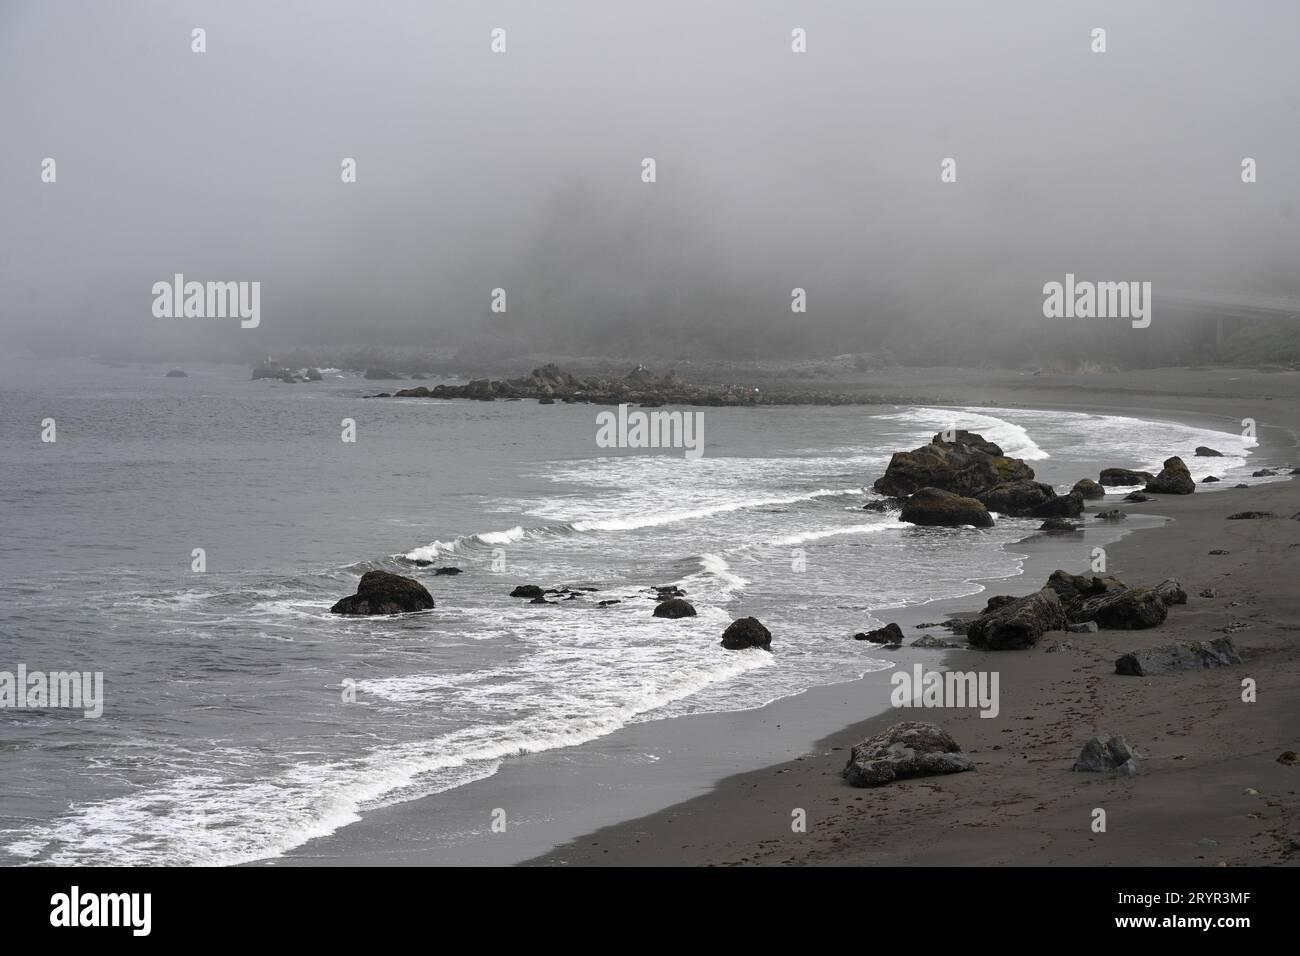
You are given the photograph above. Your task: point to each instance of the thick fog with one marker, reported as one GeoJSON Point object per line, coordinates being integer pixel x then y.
{"type": "Point", "coordinates": [523, 170]}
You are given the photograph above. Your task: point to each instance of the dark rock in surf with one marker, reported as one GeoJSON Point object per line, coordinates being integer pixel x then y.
{"type": "Point", "coordinates": [1113, 515]}
{"type": "Point", "coordinates": [746, 632]}
{"type": "Point", "coordinates": [962, 466]}
{"type": "Point", "coordinates": [177, 373]}
{"type": "Point", "coordinates": [1018, 624]}
{"type": "Point", "coordinates": [380, 592]}
{"type": "Point", "coordinates": [889, 634]}
{"type": "Point", "coordinates": [527, 591]}
{"type": "Point", "coordinates": [1209, 480]}
{"type": "Point", "coordinates": [1263, 473]}
{"type": "Point", "coordinates": [1184, 656]}
{"type": "Point", "coordinates": [934, 507]}
{"type": "Point", "coordinates": [1031, 499]}
{"type": "Point", "coordinates": [675, 608]}
{"type": "Point", "coordinates": [1174, 479]}
{"type": "Point", "coordinates": [1059, 524]}
{"type": "Point", "coordinates": [908, 749]}
{"type": "Point", "coordinates": [1203, 452]}
{"type": "Point", "coordinates": [883, 505]}
{"type": "Point", "coordinates": [447, 570]}
{"type": "Point", "coordinates": [1136, 496]}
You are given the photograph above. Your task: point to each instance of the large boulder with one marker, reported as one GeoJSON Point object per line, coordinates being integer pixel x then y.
{"type": "Point", "coordinates": [675, 608]}
{"type": "Point", "coordinates": [971, 439]}
{"type": "Point", "coordinates": [966, 466]}
{"type": "Point", "coordinates": [1126, 609]}
{"type": "Point", "coordinates": [1186, 656]}
{"type": "Point", "coordinates": [912, 748]}
{"type": "Point", "coordinates": [1031, 499]}
{"type": "Point", "coordinates": [380, 592]}
{"type": "Point", "coordinates": [1174, 479]}
{"type": "Point", "coordinates": [746, 632]}
{"type": "Point", "coordinates": [1114, 477]}
{"type": "Point", "coordinates": [1089, 489]}
{"type": "Point", "coordinates": [533, 591]}
{"type": "Point", "coordinates": [934, 507]}
{"type": "Point", "coordinates": [1018, 624]}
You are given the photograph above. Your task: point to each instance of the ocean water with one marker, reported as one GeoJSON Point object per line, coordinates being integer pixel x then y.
{"type": "Point", "coordinates": [227, 735]}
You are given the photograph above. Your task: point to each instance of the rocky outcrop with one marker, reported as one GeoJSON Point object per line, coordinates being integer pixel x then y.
{"type": "Point", "coordinates": [1031, 499]}
{"type": "Point", "coordinates": [1116, 477]}
{"type": "Point", "coordinates": [963, 466]}
{"type": "Point", "coordinates": [533, 591]}
{"type": "Point", "coordinates": [1174, 479]}
{"type": "Point", "coordinates": [1107, 756]}
{"type": "Point", "coordinates": [1209, 480]}
{"type": "Point", "coordinates": [675, 608]}
{"type": "Point", "coordinates": [1203, 452]}
{"type": "Point", "coordinates": [380, 592]}
{"type": "Point", "coordinates": [883, 505]}
{"type": "Point", "coordinates": [746, 632]}
{"type": "Point", "coordinates": [934, 507]}
{"type": "Point", "coordinates": [1185, 656]}
{"type": "Point", "coordinates": [889, 634]}
{"type": "Point", "coordinates": [1089, 489]}
{"type": "Point", "coordinates": [1127, 609]}
{"type": "Point", "coordinates": [1018, 624]}
{"type": "Point", "coordinates": [912, 748]}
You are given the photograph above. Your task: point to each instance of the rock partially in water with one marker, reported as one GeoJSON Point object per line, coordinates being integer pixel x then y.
{"type": "Point", "coordinates": [746, 632]}
{"type": "Point", "coordinates": [380, 592]}
{"type": "Point", "coordinates": [934, 507]}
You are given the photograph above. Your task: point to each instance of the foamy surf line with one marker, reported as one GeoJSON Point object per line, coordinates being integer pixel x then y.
{"type": "Point", "coordinates": [518, 533]}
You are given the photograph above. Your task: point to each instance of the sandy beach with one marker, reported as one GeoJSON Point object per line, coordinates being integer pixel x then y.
{"type": "Point", "coordinates": [1211, 790]}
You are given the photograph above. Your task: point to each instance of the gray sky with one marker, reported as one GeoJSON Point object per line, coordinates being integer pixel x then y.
{"type": "Point", "coordinates": [522, 170]}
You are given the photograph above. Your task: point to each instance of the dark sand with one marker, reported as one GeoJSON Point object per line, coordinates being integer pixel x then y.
{"type": "Point", "coordinates": [1203, 749]}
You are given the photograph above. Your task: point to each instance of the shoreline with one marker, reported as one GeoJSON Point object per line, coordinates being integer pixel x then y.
{"type": "Point", "coordinates": [648, 771]}
{"type": "Point", "coordinates": [1202, 749]}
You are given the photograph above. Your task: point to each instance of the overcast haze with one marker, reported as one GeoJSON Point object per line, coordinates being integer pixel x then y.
{"type": "Point", "coordinates": [522, 170]}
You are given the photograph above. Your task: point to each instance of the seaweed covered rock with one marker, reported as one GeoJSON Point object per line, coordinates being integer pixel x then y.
{"type": "Point", "coordinates": [935, 507]}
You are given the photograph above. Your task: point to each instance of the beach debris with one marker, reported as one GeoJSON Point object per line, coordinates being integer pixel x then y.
{"type": "Point", "coordinates": [911, 748]}
{"type": "Point", "coordinates": [1248, 515]}
{"type": "Point", "coordinates": [1113, 515]}
{"type": "Point", "coordinates": [1110, 756]}
{"type": "Point", "coordinates": [381, 592]}
{"type": "Point", "coordinates": [934, 507]}
{"type": "Point", "coordinates": [1171, 592]}
{"type": "Point", "coordinates": [889, 634]}
{"type": "Point", "coordinates": [1117, 477]}
{"type": "Point", "coordinates": [1059, 524]}
{"type": "Point", "coordinates": [746, 632]}
{"type": "Point", "coordinates": [533, 591]}
{"type": "Point", "coordinates": [1088, 489]}
{"type": "Point", "coordinates": [1018, 624]}
{"type": "Point", "coordinates": [968, 465]}
{"type": "Point", "coordinates": [675, 608]}
{"type": "Point", "coordinates": [937, 643]}
{"type": "Point", "coordinates": [1182, 656]}
{"type": "Point", "coordinates": [1174, 479]}
{"type": "Point", "coordinates": [1203, 452]}
{"type": "Point", "coordinates": [1127, 609]}
{"type": "Point", "coordinates": [1288, 758]}
{"type": "Point", "coordinates": [1031, 499]}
